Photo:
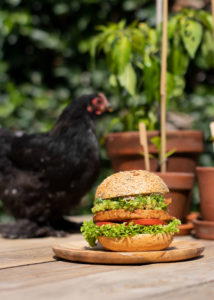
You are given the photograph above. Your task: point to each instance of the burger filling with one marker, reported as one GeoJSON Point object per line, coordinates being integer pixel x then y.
{"type": "Point", "coordinates": [129, 216]}
{"type": "Point", "coordinates": [152, 201]}
{"type": "Point", "coordinates": [123, 215]}
{"type": "Point", "coordinates": [92, 231]}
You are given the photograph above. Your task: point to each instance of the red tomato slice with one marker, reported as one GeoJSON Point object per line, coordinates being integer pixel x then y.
{"type": "Point", "coordinates": [135, 222]}
{"type": "Point", "coordinates": [105, 223]}
{"type": "Point", "coordinates": [147, 222]}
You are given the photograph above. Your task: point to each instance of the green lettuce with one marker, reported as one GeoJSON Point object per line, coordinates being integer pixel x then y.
{"type": "Point", "coordinates": [91, 231]}
{"type": "Point", "coordinates": [152, 201]}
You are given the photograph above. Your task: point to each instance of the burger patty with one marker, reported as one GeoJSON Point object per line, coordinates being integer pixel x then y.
{"type": "Point", "coordinates": [122, 214]}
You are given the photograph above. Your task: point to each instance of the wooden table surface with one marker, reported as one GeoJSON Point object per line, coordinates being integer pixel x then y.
{"type": "Point", "coordinates": [28, 270]}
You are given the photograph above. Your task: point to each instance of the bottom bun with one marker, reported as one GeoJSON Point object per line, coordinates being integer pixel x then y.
{"type": "Point", "coordinates": [141, 242]}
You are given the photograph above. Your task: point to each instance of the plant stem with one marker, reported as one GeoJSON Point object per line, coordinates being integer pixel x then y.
{"type": "Point", "coordinates": [163, 86]}
{"type": "Point", "coordinates": [144, 144]}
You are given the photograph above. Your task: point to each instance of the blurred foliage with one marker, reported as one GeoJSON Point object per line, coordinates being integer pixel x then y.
{"type": "Point", "coordinates": [43, 55]}
{"type": "Point", "coordinates": [133, 57]}
{"type": "Point", "coordinates": [44, 63]}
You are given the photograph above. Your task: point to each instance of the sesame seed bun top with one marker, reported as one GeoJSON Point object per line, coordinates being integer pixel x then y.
{"type": "Point", "coordinates": [130, 183]}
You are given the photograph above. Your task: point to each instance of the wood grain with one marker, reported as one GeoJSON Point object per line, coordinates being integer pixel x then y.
{"type": "Point", "coordinates": [25, 252]}
{"type": "Point", "coordinates": [80, 252]}
{"type": "Point", "coordinates": [21, 252]}
{"type": "Point", "coordinates": [62, 280]}
{"type": "Point", "coordinates": [191, 279]}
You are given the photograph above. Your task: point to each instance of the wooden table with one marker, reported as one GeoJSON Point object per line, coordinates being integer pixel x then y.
{"type": "Point", "coordinates": [28, 270]}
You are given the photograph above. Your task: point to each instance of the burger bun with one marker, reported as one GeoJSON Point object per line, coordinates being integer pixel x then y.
{"type": "Point", "coordinates": [130, 183]}
{"type": "Point", "coordinates": [137, 243]}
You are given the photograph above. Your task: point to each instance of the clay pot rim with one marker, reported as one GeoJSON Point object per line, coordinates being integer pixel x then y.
{"type": "Point", "coordinates": [170, 132]}
{"type": "Point", "coordinates": [176, 174]}
{"type": "Point", "coordinates": [127, 142]}
{"type": "Point", "coordinates": [204, 229]}
{"type": "Point", "coordinates": [201, 169]}
{"type": "Point", "coordinates": [184, 229]}
{"type": "Point", "coordinates": [177, 180]}
{"type": "Point", "coordinates": [187, 225]}
{"type": "Point", "coordinates": [203, 223]}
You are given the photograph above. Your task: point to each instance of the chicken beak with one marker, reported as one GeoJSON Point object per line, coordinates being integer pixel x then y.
{"type": "Point", "coordinates": [108, 106]}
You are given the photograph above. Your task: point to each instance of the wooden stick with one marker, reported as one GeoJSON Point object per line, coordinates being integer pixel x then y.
{"type": "Point", "coordinates": [144, 144]}
{"type": "Point", "coordinates": [212, 6]}
{"type": "Point", "coordinates": [163, 86]}
{"type": "Point", "coordinates": [159, 9]}
{"type": "Point", "coordinates": [212, 132]}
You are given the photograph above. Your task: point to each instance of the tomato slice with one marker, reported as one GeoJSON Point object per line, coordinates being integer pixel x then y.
{"type": "Point", "coordinates": [105, 223]}
{"type": "Point", "coordinates": [147, 222]}
{"type": "Point", "coordinates": [135, 222]}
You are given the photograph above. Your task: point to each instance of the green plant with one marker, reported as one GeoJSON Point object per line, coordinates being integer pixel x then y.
{"type": "Point", "coordinates": [133, 58]}
{"type": "Point", "coordinates": [156, 141]}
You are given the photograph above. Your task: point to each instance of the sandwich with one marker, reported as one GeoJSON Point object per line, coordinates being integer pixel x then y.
{"type": "Point", "coordinates": [130, 213]}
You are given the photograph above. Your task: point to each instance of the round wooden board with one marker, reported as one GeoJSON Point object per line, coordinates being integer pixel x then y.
{"type": "Point", "coordinates": [80, 252]}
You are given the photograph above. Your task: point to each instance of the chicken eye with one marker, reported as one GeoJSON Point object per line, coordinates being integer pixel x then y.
{"type": "Point", "coordinates": [96, 101]}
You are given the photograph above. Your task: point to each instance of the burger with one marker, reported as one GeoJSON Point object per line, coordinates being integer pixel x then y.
{"type": "Point", "coordinates": [130, 213]}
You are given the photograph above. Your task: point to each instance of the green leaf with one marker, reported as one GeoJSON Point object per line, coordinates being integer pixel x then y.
{"type": "Point", "coordinates": [172, 24]}
{"type": "Point", "coordinates": [156, 141]}
{"type": "Point", "coordinates": [128, 121]}
{"type": "Point", "coordinates": [175, 86]}
{"type": "Point", "coordinates": [178, 59]}
{"type": "Point", "coordinates": [138, 41]}
{"type": "Point", "coordinates": [191, 33]}
{"type": "Point", "coordinates": [128, 79]}
{"type": "Point", "coordinates": [150, 155]}
{"type": "Point", "coordinates": [121, 24]}
{"type": "Point", "coordinates": [205, 59]}
{"type": "Point", "coordinates": [170, 152]}
{"type": "Point", "coordinates": [93, 47]}
{"type": "Point", "coordinates": [206, 19]}
{"type": "Point", "coordinates": [113, 80]}
{"type": "Point", "coordinates": [121, 54]}
{"type": "Point", "coordinates": [6, 110]}
{"type": "Point", "coordinates": [151, 76]}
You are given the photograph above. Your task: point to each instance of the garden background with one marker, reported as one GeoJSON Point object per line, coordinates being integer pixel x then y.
{"type": "Point", "coordinates": [45, 62]}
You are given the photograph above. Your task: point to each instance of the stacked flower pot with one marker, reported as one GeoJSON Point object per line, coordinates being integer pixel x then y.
{"type": "Point", "coordinates": [204, 226]}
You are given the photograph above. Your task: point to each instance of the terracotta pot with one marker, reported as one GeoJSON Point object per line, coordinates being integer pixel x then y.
{"type": "Point", "coordinates": [204, 229]}
{"type": "Point", "coordinates": [180, 186]}
{"type": "Point", "coordinates": [185, 229]}
{"type": "Point", "coordinates": [205, 176]}
{"type": "Point", "coordinates": [123, 149]}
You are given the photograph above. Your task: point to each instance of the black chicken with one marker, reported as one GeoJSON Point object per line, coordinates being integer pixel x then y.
{"type": "Point", "coordinates": [42, 176]}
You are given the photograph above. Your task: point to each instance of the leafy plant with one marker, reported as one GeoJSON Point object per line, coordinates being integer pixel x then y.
{"type": "Point", "coordinates": [132, 55]}
{"type": "Point", "coordinates": [156, 141]}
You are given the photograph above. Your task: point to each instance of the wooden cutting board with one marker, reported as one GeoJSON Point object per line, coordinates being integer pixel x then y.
{"type": "Point", "coordinates": [80, 252]}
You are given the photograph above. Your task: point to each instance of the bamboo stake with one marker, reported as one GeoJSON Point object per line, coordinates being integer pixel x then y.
{"type": "Point", "coordinates": [212, 132]}
{"type": "Point", "coordinates": [159, 5]}
{"type": "Point", "coordinates": [144, 144]}
{"type": "Point", "coordinates": [163, 86]}
{"type": "Point", "coordinates": [212, 6]}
